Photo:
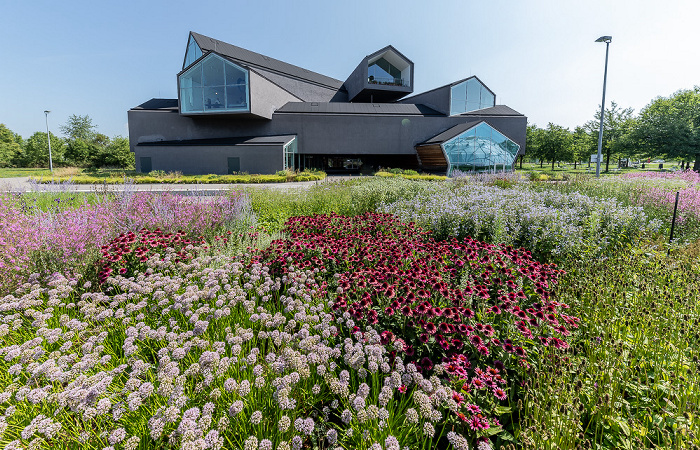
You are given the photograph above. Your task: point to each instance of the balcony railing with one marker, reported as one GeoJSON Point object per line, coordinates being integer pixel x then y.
{"type": "Point", "coordinates": [387, 81]}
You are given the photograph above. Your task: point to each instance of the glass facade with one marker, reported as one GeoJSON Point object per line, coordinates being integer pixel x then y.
{"type": "Point", "coordinates": [383, 72]}
{"type": "Point", "coordinates": [480, 148]}
{"type": "Point", "coordinates": [214, 85]}
{"type": "Point", "coordinates": [193, 52]}
{"type": "Point", "coordinates": [290, 152]}
{"type": "Point", "coordinates": [470, 95]}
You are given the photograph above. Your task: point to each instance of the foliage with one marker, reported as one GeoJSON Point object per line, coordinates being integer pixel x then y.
{"type": "Point", "coordinates": [410, 175]}
{"type": "Point", "coordinates": [10, 146]}
{"type": "Point", "coordinates": [555, 144]}
{"type": "Point", "coordinates": [115, 154]}
{"type": "Point", "coordinates": [118, 176]}
{"type": "Point", "coordinates": [197, 348]}
{"type": "Point", "coordinates": [36, 151]}
{"type": "Point", "coordinates": [79, 128]}
{"type": "Point", "coordinates": [348, 197]}
{"type": "Point", "coordinates": [671, 126]}
{"type": "Point", "coordinates": [617, 124]}
{"type": "Point", "coordinates": [631, 377]}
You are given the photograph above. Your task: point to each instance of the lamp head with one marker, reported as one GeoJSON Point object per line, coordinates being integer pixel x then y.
{"type": "Point", "coordinates": [46, 112]}
{"type": "Point", "coordinates": [605, 39]}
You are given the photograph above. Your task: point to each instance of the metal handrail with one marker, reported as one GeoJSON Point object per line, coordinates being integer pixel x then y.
{"type": "Point", "coordinates": [387, 81]}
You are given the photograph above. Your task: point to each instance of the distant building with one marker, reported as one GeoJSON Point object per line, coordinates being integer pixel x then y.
{"type": "Point", "coordinates": [239, 111]}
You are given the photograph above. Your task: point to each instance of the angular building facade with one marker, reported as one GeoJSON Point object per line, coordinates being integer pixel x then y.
{"type": "Point", "coordinates": [239, 111]}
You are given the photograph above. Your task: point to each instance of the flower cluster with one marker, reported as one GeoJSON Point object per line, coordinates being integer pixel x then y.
{"type": "Point", "coordinates": [470, 309]}
{"type": "Point", "coordinates": [200, 354]}
{"type": "Point", "coordinates": [552, 224]}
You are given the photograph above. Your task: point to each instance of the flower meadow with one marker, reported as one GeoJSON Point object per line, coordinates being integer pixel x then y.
{"type": "Point", "coordinates": [348, 316]}
{"type": "Point", "coordinates": [552, 224]}
{"type": "Point", "coordinates": [65, 238]}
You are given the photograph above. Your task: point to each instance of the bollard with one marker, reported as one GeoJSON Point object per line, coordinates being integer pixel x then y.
{"type": "Point", "coordinates": [673, 222]}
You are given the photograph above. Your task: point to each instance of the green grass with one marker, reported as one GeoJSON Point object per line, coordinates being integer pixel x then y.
{"type": "Point", "coordinates": [109, 176]}
{"type": "Point", "coordinates": [567, 169]}
{"type": "Point", "coordinates": [10, 172]}
{"type": "Point", "coordinates": [422, 176]}
{"type": "Point", "coordinates": [631, 378]}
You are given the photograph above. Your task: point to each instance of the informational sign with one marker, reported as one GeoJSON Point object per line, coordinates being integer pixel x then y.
{"type": "Point", "coordinates": [594, 158]}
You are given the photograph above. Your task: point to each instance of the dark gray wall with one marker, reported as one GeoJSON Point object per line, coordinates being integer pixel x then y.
{"type": "Point", "coordinates": [438, 99]}
{"type": "Point", "coordinates": [266, 97]}
{"type": "Point", "coordinates": [202, 160]}
{"type": "Point", "coordinates": [357, 80]}
{"type": "Point", "coordinates": [317, 133]}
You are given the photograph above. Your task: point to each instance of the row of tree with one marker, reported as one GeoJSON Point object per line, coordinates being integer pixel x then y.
{"type": "Point", "coordinates": [668, 127]}
{"type": "Point", "coordinates": [82, 146]}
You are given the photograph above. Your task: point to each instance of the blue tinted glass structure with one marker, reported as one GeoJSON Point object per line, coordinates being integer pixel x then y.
{"type": "Point", "coordinates": [480, 148]}
{"type": "Point", "coordinates": [193, 52]}
{"type": "Point", "coordinates": [214, 85]}
{"type": "Point", "coordinates": [470, 95]}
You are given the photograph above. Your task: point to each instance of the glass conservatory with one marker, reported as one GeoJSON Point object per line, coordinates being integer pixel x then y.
{"type": "Point", "coordinates": [480, 148]}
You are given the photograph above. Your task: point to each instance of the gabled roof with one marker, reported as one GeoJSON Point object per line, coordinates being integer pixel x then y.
{"type": "Point", "coordinates": [384, 50]}
{"type": "Point", "coordinates": [379, 109]}
{"type": "Point", "coordinates": [454, 83]}
{"type": "Point", "coordinates": [498, 110]}
{"type": "Point", "coordinates": [253, 59]}
{"type": "Point", "coordinates": [450, 133]}
{"type": "Point", "coordinates": [157, 104]}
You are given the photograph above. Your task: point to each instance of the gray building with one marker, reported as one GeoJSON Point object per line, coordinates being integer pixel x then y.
{"type": "Point", "coordinates": [239, 111]}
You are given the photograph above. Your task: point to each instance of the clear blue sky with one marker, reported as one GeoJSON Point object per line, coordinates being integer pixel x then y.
{"type": "Point", "coordinates": [102, 58]}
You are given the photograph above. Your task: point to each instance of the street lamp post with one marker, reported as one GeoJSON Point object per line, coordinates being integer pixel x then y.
{"type": "Point", "coordinates": [48, 137]}
{"type": "Point", "coordinates": [607, 40]}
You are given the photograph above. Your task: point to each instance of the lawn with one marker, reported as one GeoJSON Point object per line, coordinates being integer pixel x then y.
{"type": "Point", "coordinates": [568, 170]}
{"type": "Point", "coordinates": [373, 313]}
{"type": "Point", "coordinates": [117, 176]}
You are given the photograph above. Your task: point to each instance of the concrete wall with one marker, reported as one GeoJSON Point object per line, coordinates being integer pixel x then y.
{"type": "Point", "coordinates": [202, 160]}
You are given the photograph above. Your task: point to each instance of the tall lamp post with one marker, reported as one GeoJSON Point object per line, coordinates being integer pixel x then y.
{"type": "Point", "coordinates": [48, 137]}
{"type": "Point", "coordinates": [607, 40]}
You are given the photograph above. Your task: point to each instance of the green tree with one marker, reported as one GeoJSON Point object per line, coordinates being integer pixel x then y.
{"type": "Point", "coordinates": [36, 151]}
{"type": "Point", "coordinates": [533, 141]}
{"type": "Point", "coordinates": [10, 146]}
{"type": "Point", "coordinates": [616, 124]}
{"type": "Point", "coordinates": [671, 127]}
{"type": "Point", "coordinates": [79, 127]}
{"type": "Point", "coordinates": [581, 145]}
{"type": "Point", "coordinates": [555, 144]}
{"type": "Point", "coordinates": [116, 154]}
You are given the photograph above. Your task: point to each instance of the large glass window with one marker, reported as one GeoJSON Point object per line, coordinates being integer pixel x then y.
{"type": "Point", "coordinates": [470, 95]}
{"type": "Point", "coordinates": [480, 148]}
{"type": "Point", "coordinates": [193, 52]}
{"type": "Point", "coordinates": [383, 72]}
{"type": "Point", "coordinates": [290, 152]}
{"type": "Point", "coordinates": [214, 85]}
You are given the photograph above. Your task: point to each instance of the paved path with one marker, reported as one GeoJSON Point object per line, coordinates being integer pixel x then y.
{"type": "Point", "coordinates": [22, 184]}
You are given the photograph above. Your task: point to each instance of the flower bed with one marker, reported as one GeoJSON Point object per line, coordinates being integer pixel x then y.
{"type": "Point", "coordinates": [552, 224]}
{"type": "Point", "coordinates": [65, 239]}
{"type": "Point", "coordinates": [195, 350]}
